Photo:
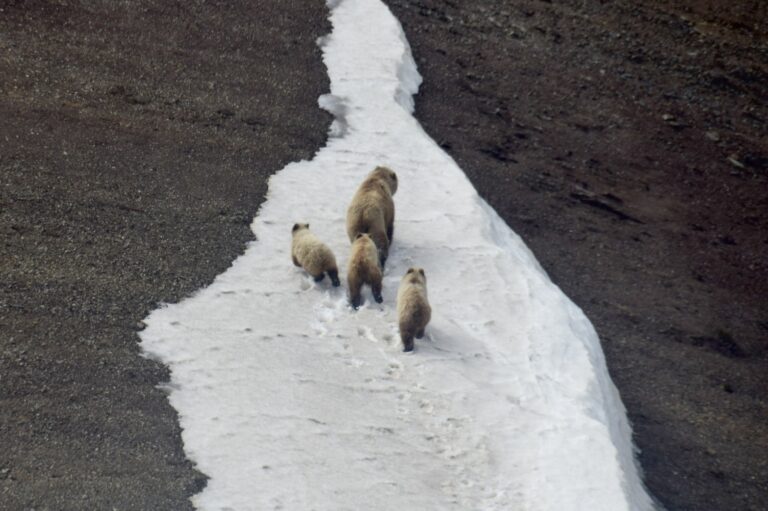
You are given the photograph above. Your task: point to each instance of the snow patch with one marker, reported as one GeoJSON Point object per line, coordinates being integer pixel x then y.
{"type": "Point", "coordinates": [289, 399]}
{"type": "Point", "coordinates": [336, 107]}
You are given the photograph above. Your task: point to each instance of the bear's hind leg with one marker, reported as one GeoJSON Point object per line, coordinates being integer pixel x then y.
{"type": "Point", "coordinates": [382, 246]}
{"type": "Point", "coordinates": [407, 337]}
{"type": "Point", "coordinates": [376, 289]}
{"type": "Point", "coordinates": [354, 284]}
{"type": "Point", "coordinates": [334, 275]}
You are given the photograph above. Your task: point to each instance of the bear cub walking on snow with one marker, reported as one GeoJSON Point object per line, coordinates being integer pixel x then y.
{"type": "Point", "coordinates": [413, 310]}
{"type": "Point", "coordinates": [363, 269]}
{"type": "Point", "coordinates": [313, 255]}
{"type": "Point", "coordinates": [372, 210]}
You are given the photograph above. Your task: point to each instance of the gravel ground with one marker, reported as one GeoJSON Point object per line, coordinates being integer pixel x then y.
{"type": "Point", "coordinates": [627, 142]}
{"type": "Point", "coordinates": [136, 145]}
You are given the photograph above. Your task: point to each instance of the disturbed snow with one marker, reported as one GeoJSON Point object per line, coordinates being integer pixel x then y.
{"type": "Point", "coordinates": [289, 399]}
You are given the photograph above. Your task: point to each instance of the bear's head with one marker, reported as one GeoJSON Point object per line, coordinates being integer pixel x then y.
{"type": "Point", "coordinates": [416, 276]}
{"type": "Point", "coordinates": [386, 175]}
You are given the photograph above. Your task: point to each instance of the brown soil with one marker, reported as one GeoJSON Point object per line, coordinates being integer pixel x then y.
{"type": "Point", "coordinates": [136, 142]}
{"type": "Point", "coordinates": [627, 142]}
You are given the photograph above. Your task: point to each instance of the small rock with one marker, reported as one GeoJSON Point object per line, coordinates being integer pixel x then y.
{"type": "Point", "coordinates": [117, 90]}
{"type": "Point", "coordinates": [137, 100]}
{"type": "Point", "coordinates": [713, 136]}
{"type": "Point", "coordinates": [672, 121]}
{"type": "Point", "coordinates": [727, 240]}
{"type": "Point", "coordinates": [732, 159]}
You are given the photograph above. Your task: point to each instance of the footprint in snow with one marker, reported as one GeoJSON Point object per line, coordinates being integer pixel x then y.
{"type": "Point", "coordinates": [367, 333]}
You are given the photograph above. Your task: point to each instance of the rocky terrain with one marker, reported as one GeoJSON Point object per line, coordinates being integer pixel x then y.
{"type": "Point", "coordinates": [135, 147]}
{"type": "Point", "coordinates": [627, 143]}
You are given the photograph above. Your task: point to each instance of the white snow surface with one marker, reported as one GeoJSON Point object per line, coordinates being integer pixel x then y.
{"type": "Point", "coordinates": [289, 399]}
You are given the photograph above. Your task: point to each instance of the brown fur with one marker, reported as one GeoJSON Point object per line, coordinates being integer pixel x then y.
{"type": "Point", "coordinates": [313, 255]}
{"type": "Point", "coordinates": [363, 269]}
{"type": "Point", "coordinates": [413, 309]}
{"type": "Point", "coordinates": [372, 210]}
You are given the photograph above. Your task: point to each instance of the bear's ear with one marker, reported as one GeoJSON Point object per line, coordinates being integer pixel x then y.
{"type": "Point", "coordinates": [410, 270]}
{"type": "Point", "coordinates": [295, 227]}
{"type": "Point", "coordinates": [359, 235]}
{"type": "Point", "coordinates": [421, 270]}
{"type": "Point", "coordinates": [306, 226]}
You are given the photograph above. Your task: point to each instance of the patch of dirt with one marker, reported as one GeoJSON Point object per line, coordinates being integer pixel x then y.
{"type": "Point", "coordinates": [137, 141]}
{"type": "Point", "coordinates": [627, 142]}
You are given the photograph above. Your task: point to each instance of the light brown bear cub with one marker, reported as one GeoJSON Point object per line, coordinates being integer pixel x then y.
{"type": "Point", "coordinates": [313, 255]}
{"type": "Point", "coordinates": [372, 210]}
{"type": "Point", "coordinates": [413, 310]}
{"type": "Point", "coordinates": [363, 269]}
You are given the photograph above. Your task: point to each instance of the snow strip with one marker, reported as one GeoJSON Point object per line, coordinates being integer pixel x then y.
{"type": "Point", "coordinates": [288, 399]}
